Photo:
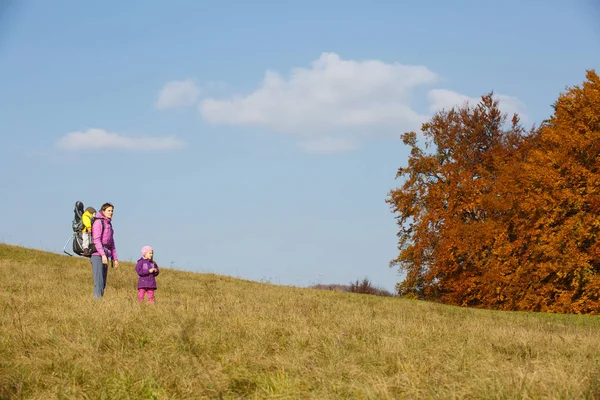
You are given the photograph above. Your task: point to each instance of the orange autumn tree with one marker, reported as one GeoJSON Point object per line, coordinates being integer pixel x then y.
{"type": "Point", "coordinates": [552, 249]}
{"type": "Point", "coordinates": [499, 218]}
{"type": "Point", "coordinates": [448, 203]}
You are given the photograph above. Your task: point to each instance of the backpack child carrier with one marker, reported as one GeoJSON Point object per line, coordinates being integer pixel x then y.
{"type": "Point", "coordinates": [77, 236]}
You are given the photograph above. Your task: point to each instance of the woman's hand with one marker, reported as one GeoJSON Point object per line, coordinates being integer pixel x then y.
{"type": "Point", "coordinates": [116, 264]}
{"type": "Point", "coordinates": [104, 259]}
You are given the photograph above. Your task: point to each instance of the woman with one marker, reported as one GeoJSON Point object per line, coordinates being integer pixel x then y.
{"type": "Point", "coordinates": [102, 234]}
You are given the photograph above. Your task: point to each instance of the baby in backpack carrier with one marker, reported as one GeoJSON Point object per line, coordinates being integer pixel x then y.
{"type": "Point", "coordinates": [86, 233]}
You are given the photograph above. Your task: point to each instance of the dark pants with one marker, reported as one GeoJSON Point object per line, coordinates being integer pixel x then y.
{"type": "Point", "coordinates": [99, 270]}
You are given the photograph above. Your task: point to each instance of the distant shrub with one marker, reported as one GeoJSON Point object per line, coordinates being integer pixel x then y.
{"type": "Point", "coordinates": [365, 287]}
{"type": "Point", "coordinates": [334, 287]}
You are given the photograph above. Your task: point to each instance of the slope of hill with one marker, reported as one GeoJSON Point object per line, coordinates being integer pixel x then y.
{"type": "Point", "coordinates": [211, 336]}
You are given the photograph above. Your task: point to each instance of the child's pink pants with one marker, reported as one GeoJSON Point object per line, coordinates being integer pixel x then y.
{"type": "Point", "coordinates": [150, 292]}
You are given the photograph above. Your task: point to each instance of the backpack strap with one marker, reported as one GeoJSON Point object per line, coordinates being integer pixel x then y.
{"type": "Point", "coordinates": [101, 233]}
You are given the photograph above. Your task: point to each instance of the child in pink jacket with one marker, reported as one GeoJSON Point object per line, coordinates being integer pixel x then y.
{"type": "Point", "coordinates": [147, 269]}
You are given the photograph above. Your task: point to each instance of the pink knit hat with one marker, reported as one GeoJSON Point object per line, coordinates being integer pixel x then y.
{"type": "Point", "coordinates": [146, 249]}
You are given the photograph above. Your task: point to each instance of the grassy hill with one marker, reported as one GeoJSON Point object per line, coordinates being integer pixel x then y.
{"type": "Point", "coordinates": [211, 336]}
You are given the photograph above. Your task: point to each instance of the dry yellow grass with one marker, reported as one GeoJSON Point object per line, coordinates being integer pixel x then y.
{"type": "Point", "coordinates": [212, 336]}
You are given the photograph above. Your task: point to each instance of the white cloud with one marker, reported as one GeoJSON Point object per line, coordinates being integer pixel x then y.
{"type": "Point", "coordinates": [446, 99]}
{"type": "Point", "coordinates": [177, 94]}
{"type": "Point", "coordinates": [353, 98]}
{"type": "Point", "coordinates": [333, 104]}
{"type": "Point", "coordinates": [101, 139]}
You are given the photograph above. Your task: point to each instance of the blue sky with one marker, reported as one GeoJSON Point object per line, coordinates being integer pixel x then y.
{"type": "Point", "coordinates": [255, 139]}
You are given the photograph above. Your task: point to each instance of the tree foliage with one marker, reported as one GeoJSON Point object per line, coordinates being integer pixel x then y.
{"type": "Point", "coordinates": [491, 215]}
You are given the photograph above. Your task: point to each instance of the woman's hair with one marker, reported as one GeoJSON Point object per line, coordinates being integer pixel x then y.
{"type": "Point", "coordinates": [105, 206]}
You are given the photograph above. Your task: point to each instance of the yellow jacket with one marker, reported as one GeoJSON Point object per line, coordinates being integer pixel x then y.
{"type": "Point", "coordinates": [86, 218]}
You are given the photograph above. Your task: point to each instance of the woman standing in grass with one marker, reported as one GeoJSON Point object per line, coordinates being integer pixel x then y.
{"type": "Point", "coordinates": [147, 269]}
{"type": "Point", "coordinates": [102, 234]}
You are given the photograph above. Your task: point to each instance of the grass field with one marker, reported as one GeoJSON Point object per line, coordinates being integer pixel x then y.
{"type": "Point", "coordinates": [211, 336]}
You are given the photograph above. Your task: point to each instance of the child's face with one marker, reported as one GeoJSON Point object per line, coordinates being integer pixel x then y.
{"type": "Point", "coordinates": [148, 255]}
{"type": "Point", "coordinates": [93, 215]}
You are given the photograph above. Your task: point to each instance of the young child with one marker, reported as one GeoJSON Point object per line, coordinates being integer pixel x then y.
{"type": "Point", "coordinates": [147, 269]}
{"type": "Point", "coordinates": [86, 233]}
